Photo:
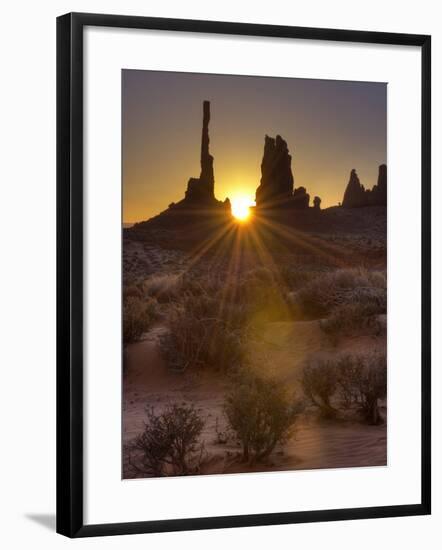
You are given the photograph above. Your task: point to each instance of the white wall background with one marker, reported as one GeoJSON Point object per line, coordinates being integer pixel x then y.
{"type": "Point", "coordinates": [27, 289]}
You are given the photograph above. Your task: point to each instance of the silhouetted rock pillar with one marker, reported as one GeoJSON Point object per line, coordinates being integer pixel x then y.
{"type": "Point", "coordinates": [276, 184]}
{"type": "Point", "coordinates": [354, 193]}
{"type": "Point", "coordinates": [206, 157]}
{"type": "Point", "coordinates": [382, 186]}
{"type": "Point", "coordinates": [202, 189]}
{"type": "Point", "coordinates": [301, 199]}
{"type": "Point", "coordinates": [317, 203]}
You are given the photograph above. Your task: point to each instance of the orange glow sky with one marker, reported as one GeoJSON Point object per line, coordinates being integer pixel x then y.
{"type": "Point", "coordinates": [330, 127]}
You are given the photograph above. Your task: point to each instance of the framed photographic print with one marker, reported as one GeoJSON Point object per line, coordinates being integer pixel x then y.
{"type": "Point", "coordinates": [243, 274]}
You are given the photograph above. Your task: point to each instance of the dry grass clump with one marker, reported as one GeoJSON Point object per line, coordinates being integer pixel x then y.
{"type": "Point", "coordinates": [342, 286]}
{"type": "Point", "coordinates": [138, 316]}
{"type": "Point", "coordinates": [197, 282]}
{"type": "Point", "coordinates": [295, 278]}
{"type": "Point", "coordinates": [171, 287]}
{"type": "Point", "coordinates": [263, 294]}
{"type": "Point", "coordinates": [164, 288]}
{"type": "Point", "coordinates": [261, 414]}
{"type": "Point", "coordinates": [203, 335]}
{"type": "Point", "coordinates": [211, 317]}
{"type": "Point", "coordinates": [354, 318]}
{"type": "Point", "coordinates": [345, 382]}
{"type": "Point", "coordinates": [169, 443]}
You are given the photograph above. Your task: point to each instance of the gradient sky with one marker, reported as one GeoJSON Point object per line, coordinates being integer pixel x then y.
{"type": "Point", "coordinates": [330, 127]}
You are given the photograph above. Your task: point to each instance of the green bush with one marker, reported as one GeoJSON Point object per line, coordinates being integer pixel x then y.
{"type": "Point", "coordinates": [261, 415]}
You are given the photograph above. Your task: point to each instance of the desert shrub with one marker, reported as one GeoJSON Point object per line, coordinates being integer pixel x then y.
{"type": "Point", "coordinates": [164, 287]}
{"type": "Point", "coordinates": [363, 381]}
{"type": "Point", "coordinates": [320, 382]}
{"type": "Point", "coordinates": [261, 414]}
{"type": "Point", "coordinates": [263, 294]}
{"type": "Point", "coordinates": [295, 278]}
{"type": "Point", "coordinates": [348, 381]}
{"type": "Point", "coordinates": [169, 443]}
{"type": "Point", "coordinates": [347, 369]}
{"type": "Point", "coordinates": [196, 282]}
{"type": "Point", "coordinates": [202, 336]}
{"type": "Point", "coordinates": [132, 291]}
{"type": "Point", "coordinates": [358, 317]}
{"type": "Point", "coordinates": [138, 316]}
{"type": "Point", "coordinates": [342, 286]}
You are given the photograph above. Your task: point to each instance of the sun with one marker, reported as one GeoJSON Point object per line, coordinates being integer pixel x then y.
{"type": "Point", "coordinates": [241, 207]}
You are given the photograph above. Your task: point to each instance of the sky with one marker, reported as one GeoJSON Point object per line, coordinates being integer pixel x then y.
{"type": "Point", "coordinates": [330, 127]}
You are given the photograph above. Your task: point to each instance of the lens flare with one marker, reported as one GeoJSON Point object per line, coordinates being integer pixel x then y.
{"type": "Point", "coordinates": [241, 207]}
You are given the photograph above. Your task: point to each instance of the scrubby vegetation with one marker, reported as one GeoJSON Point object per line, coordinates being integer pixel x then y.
{"type": "Point", "coordinates": [320, 382]}
{"type": "Point", "coordinates": [296, 278]}
{"type": "Point", "coordinates": [163, 287]}
{"type": "Point", "coordinates": [214, 326]}
{"type": "Point", "coordinates": [138, 316]}
{"type": "Point", "coordinates": [262, 414]}
{"type": "Point", "coordinates": [348, 381]}
{"type": "Point", "coordinates": [169, 444]}
{"type": "Point", "coordinates": [362, 382]}
{"type": "Point", "coordinates": [342, 286]}
{"type": "Point", "coordinates": [354, 318]}
{"type": "Point", "coordinates": [209, 323]}
{"type": "Point", "coordinates": [201, 335]}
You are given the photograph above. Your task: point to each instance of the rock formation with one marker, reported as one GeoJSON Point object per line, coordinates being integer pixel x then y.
{"type": "Point", "coordinates": [199, 207]}
{"type": "Point", "coordinates": [300, 199]}
{"type": "Point", "coordinates": [202, 188]}
{"type": "Point", "coordinates": [379, 191]}
{"type": "Point", "coordinates": [276, 174]}
{"type": "Point", "coordinates": [356, 195]}
{"type": "Point", "coordinates": [317, 203]}
{"type": "Point", "coordinates": [276, 188]}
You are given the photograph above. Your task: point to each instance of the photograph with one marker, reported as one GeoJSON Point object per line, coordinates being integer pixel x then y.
{"type": "Point", "coordinates": [254, 274]}
{"type": "Point", "coordinates": [221, 275]}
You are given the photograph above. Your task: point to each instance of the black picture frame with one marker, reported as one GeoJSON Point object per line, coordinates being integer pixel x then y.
{"type": "Point", "coordinates": [70, 273]}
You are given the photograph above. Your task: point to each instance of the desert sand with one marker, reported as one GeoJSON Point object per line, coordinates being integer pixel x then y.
{"type": "Point", "coordinates": [316, 443]}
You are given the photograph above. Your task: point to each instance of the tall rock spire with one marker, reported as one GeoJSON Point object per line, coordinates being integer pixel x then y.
{"type": "Point", "coordinates": [206, 157]}
{"type": "Point", "coordinates": [380, 189]}
{"type": "Point", "coordinates": [276, 173]}
{"type": "Point", "coordinates": [202, 188]}
{"type": "Point", "coordinates": [356, 195]}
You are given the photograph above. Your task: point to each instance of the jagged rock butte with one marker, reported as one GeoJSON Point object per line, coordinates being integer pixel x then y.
{"type": "Point", "coordinates": [276, 187]}
{"type": "Point", "coordinates": [356, 195]}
